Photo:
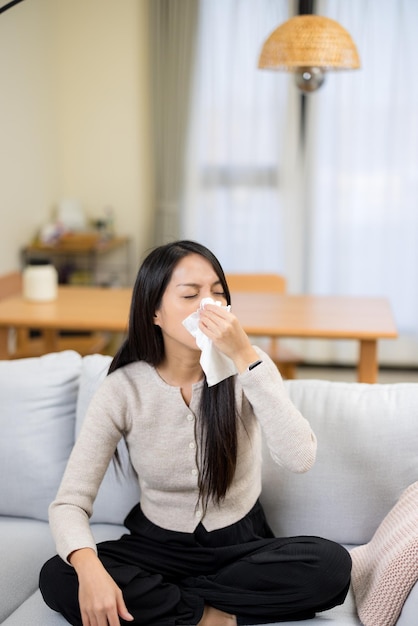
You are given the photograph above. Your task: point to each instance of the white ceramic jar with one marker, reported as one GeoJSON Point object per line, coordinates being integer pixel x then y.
{"type": "Point", "coordinates": [40, 281]}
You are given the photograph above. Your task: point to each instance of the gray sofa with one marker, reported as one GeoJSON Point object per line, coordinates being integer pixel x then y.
{"type": "Point", "coordinates": [367, 456]}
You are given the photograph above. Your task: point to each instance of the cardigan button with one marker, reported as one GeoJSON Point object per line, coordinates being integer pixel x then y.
{"type": "Point", "coordinates": [192, 445]}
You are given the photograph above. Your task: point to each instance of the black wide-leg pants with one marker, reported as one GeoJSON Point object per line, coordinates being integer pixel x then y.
{"type": "Point", "coordinates": [167, 577]}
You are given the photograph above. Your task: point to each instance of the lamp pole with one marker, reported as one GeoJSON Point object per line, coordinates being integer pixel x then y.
{"type": "Point", "coordinates": [304, 7]}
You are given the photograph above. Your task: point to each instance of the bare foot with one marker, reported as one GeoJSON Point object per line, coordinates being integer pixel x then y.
{"type": "Point", "coordinates": [214, 617]}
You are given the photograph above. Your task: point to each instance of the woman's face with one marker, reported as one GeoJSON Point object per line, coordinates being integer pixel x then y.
{"type": "Point", "coordinates": [193, 278]}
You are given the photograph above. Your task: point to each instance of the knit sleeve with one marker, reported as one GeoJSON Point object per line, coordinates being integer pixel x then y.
{"type": "Point", "coordinates": [100, 433]}
{"type": "Point", "coordinates": [288, 434]}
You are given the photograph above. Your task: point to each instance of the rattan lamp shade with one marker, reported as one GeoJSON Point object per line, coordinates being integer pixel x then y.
{"type": "Point", "coordinates": [309, 41]}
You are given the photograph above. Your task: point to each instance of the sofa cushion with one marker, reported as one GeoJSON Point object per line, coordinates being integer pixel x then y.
{"type": "Point", "coordinates": [37, 414]}
{"type": "Point", "coordinates": [34, 612]}
{"type": "Point", "coordinates": [119, 491]}
{"type": "Point", "coordinates": [24, 547]}
{"type": "Point", "coordinates": [367, 455]}
{"type": "Point", "coordinates": [21, 599]}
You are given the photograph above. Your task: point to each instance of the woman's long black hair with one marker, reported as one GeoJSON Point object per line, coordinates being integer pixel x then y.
{"type": "Point", "coordinates": [217, 455]}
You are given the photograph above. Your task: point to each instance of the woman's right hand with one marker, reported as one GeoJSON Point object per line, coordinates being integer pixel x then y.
{"type": "Point", "coordinates": [101, 601]}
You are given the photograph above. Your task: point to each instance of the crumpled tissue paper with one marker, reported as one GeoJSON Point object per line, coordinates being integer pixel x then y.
{"type": "Point", "coordinates": [216, 365]}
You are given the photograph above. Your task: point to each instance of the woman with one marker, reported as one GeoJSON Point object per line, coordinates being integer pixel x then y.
{"type": "Point", "coordinates": [199, 549]}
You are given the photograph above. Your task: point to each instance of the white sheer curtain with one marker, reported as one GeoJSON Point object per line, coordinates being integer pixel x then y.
{"type": "Point", "coordinates": [345, 219]}
{"type": "Point", "coordinates": [362, 177]}
{"type": "Point", "coordinates": [241, 121]}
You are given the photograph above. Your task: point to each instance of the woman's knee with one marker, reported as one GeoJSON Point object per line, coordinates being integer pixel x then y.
{"type": "Point", "coordinates": [334, 572]}
{"type": "Point", "coordinates": [47, 579]}
{"type": "Point", "coordinates": [54, 588]}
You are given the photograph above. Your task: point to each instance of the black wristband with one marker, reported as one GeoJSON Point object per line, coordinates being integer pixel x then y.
{"type": "Point", "coordinates": [253, 365]}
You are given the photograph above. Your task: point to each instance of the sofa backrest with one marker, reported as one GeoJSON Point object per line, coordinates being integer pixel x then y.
{"type": "Point", "coordinates": [367, 449]}
{"type": "Point", "coordinates": [367, 455]}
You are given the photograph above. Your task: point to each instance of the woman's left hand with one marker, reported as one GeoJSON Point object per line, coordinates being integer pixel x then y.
{"type": "Point", "coordinates": [227, 335]}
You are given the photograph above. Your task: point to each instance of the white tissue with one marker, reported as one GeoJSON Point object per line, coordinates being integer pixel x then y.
{"type": "Point", "coordinates": [216, 365]}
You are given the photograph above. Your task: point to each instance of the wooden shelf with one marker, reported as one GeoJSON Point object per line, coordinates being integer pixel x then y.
{"type": "Point", "coordinates": [77, 243]}
{"type": "Point", "coordinates": [81, 254]}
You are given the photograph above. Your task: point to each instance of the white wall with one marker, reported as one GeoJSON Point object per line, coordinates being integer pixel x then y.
{"type": "Point", "coordinates": [74, 117]}
{"type": "Point", "coordinates": [28, 145]}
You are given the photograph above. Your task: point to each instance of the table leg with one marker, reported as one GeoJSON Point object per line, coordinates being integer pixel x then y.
{"type": "Point", "coordinates": [367, 369]}
{"type": "Point", "coordinates": [51, 340]}
{"type": "Point", "coordinates": [4, 343]}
